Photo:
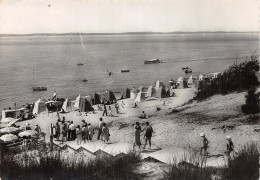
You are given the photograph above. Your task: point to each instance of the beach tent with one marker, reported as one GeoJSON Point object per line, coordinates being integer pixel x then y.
{"type": "Point", "coordinates": [190, 80]}
{"type": "Point", "coordinates": [85, 106]}
{"type": "Point", "coordinates": [96, 99]}
{"type": "Point", "coordinates": [183, 84]}
{"type": "Point", "coordinates": [39, 106]}
{"type": "Point", "coordinates": [66, 105]}
{"type": "Point", "coordinates": [179, 79]}
{"type": "Point", "coordinates": [8, 113]}
{"type": "Point", "coordinates": [151, 90]}
{"type": "Point", "coordinates": [118, 95]}
{"type": "Point", "coordinates": [78, 102]}
{"type": "Point", "coordinates": [88, 97]}
{"type": "Point", "coordinates": [133, 93]}
{"type": "Point", "coordinates": [140, 97]}
{"type": "Point", "coordinates": [161, 93]}
{"type": "Point", "coordinates": [158, 84]}
{"type": "Point", "coordinates": [126, 93]}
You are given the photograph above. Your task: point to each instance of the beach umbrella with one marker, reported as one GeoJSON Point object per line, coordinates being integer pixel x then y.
{"type": "Point", "coordinates": [9, 130]}
{"type": "Point", "coordinates": [7, 120]}
{"type": "Point", "coordinates": [8, 137]}
{"type": "Point", "coordinates": [27, 133]}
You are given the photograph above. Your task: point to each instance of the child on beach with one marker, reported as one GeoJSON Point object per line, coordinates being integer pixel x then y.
{"type": "Point", "coordinates": [85, 132]}
{"type": "Point", "coordinates": [205, 145]}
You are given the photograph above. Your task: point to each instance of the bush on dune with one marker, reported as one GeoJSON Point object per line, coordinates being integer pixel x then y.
{"type": "Point", "coordinates": [252, 102]}
{"type": "Point", "coordinates": [52, 165]}
{"type": "Point", "coordinates": [238, 77]}
{"type": "Point", "coordinates": [245, 165]}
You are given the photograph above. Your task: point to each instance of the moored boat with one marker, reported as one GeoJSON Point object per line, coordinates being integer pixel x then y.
{"type": "Point", "coordinates": [39, 88]}
{"type": "Point", "coordinates": [80, 64]}
{"type": "Point", "coordinates": [125, 70]}
{"type": "Point", "coordinates": [152, 61]}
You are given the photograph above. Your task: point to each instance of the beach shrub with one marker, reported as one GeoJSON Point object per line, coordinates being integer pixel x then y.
{"type": "Point", "coordinates": [51, 165]}
{"type": "Point", "coordinates": [238, 77]}
{"type": "Point", "coordinates": [187, 171]}
{"type": "Point", "coordinates": [245, 165]}
{"type": "Point", "coordinates": [252, 102]}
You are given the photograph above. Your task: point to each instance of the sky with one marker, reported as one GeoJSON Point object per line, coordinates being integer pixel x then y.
{"type": "Point", "coordinates": [116, 16]}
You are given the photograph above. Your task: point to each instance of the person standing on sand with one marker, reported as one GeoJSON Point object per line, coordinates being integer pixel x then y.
{"type": "Point", "coordinates": [100, 126]}
{"type": "Point", "coordinates": [91, 132]}
{"type": "Point", "coordinates": [105, 132]}
{"type": "Point", "coordinates": [37, 129]}
{"type": "Point", "coordinates": [230, 146]}
{"type": "Point", "coordinates": [105, 110]}
{"type": "Point", "coordinates": [205, 143]}
{"type": "Point", "coordinates": [85, 132]}
{"type": "Point", "coordinates": [79, 135]}
{"type": "Point", "coordinates": [72, 129]}
{"type": "Point", "coordinates": [148, 134]}
{"type": "Point", "coordinates": [137, 140]}
{"type": "Point", "coordinates": [117, 108]}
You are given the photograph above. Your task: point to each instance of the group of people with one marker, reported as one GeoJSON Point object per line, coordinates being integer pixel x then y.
{"type": "Point", "coordinates": [67, 131]}
{"type": "Point", "coordinates": [205, 145]}
{"type": "Point", "coordinates": [147, 135]}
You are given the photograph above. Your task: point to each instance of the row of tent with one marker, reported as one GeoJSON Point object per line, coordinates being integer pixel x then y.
{"type": "Point", "coordinates": [85, 103]}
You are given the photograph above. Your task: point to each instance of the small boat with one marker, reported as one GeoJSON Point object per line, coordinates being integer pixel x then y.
{"type": "Point", "coordinates": [80, 64]}
{"type": "Point", "coordinates": [125, 70]}
{"type": "Point", "coordinates": [152, 61]}
{"type": "Point", "coordinates": [39, 88]}
{"type": "Point", "coordinates": [84, 80]}
{"type": "Point", "coordinates": [184, 68]}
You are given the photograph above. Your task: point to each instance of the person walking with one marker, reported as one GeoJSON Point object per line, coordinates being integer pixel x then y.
{"type": "Point", "coordinates": [230, 146]}
{"type": "Point", "coordinates": [63, 135]}
{"type": "Point", "coordinates": [100, 126]}
{"type": "Point", "coordinates": [148, 134]}
{"type": "Point", "coordinates": [105, 110]}
{"type": "Point", "coordinates": [85, 133]}
{"type": "Point", "coordinates": [79, 135]}
{"type": "Point", "coordinates": [117, 108]}
{"type": "Point", "coordinates": [91, 132]}
{"type": "Point", "coordinates": [72, 129]}
{"type": "Point", "coordinates": [137, 140]}
{"type": "Point", "coordinates": [205, 144]}
{"type": "Point", "coordinates": [105, 132]}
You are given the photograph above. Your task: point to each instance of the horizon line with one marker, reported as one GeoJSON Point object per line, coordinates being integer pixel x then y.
{"type": "Point", "coordinates": [118, 33]}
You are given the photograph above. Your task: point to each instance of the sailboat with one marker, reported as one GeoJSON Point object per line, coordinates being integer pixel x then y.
{"type": "Point", "coordinates": [38, 88]}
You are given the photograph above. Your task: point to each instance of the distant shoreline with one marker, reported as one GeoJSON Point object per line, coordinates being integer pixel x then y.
{"type": "Point", "coordinates": [123, 33]}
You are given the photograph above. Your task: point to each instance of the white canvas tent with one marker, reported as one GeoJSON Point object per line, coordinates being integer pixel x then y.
{"type": "Point", "coordinates": [78, 102]}
{"type": "Point", "coordinates": [190, 80]}
{"type": "Point", "coordinates": [140, 97]}
{"type": "Point", "coordinates": [39, 106]}
{"type": "Point", "coordinates": [67, 105]}
{"type": "Point", "coordinates": [150, 92]}
{"type": "Point", "coordinates": [179, 79]}
{"type": "Point", "coordinates": [158, 84]}
{"type": "Point", "coordinates": [133, 94]}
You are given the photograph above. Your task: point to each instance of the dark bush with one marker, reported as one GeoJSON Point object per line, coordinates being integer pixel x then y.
{"type": "Point", "coordinates": [52, 166]}
{"type": "Point", "coordinates": [238, 77]}
{"type": "Point", "coordinates": [245, 165]}
{"type": "Point", "coordinates": [252, 102]}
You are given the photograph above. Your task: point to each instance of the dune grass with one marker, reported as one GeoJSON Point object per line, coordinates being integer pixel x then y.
{"type": "Point", "coordinates": [51, 165]}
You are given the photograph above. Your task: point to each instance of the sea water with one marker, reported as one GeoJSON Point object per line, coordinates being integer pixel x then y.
{"type": "Point", "coordinates": [51, 61]}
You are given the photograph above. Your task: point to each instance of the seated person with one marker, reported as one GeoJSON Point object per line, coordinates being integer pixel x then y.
{"type": "Point", "coordinates": [143, 115]}
{"type": "Point", "coordinates": [135, 106]}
